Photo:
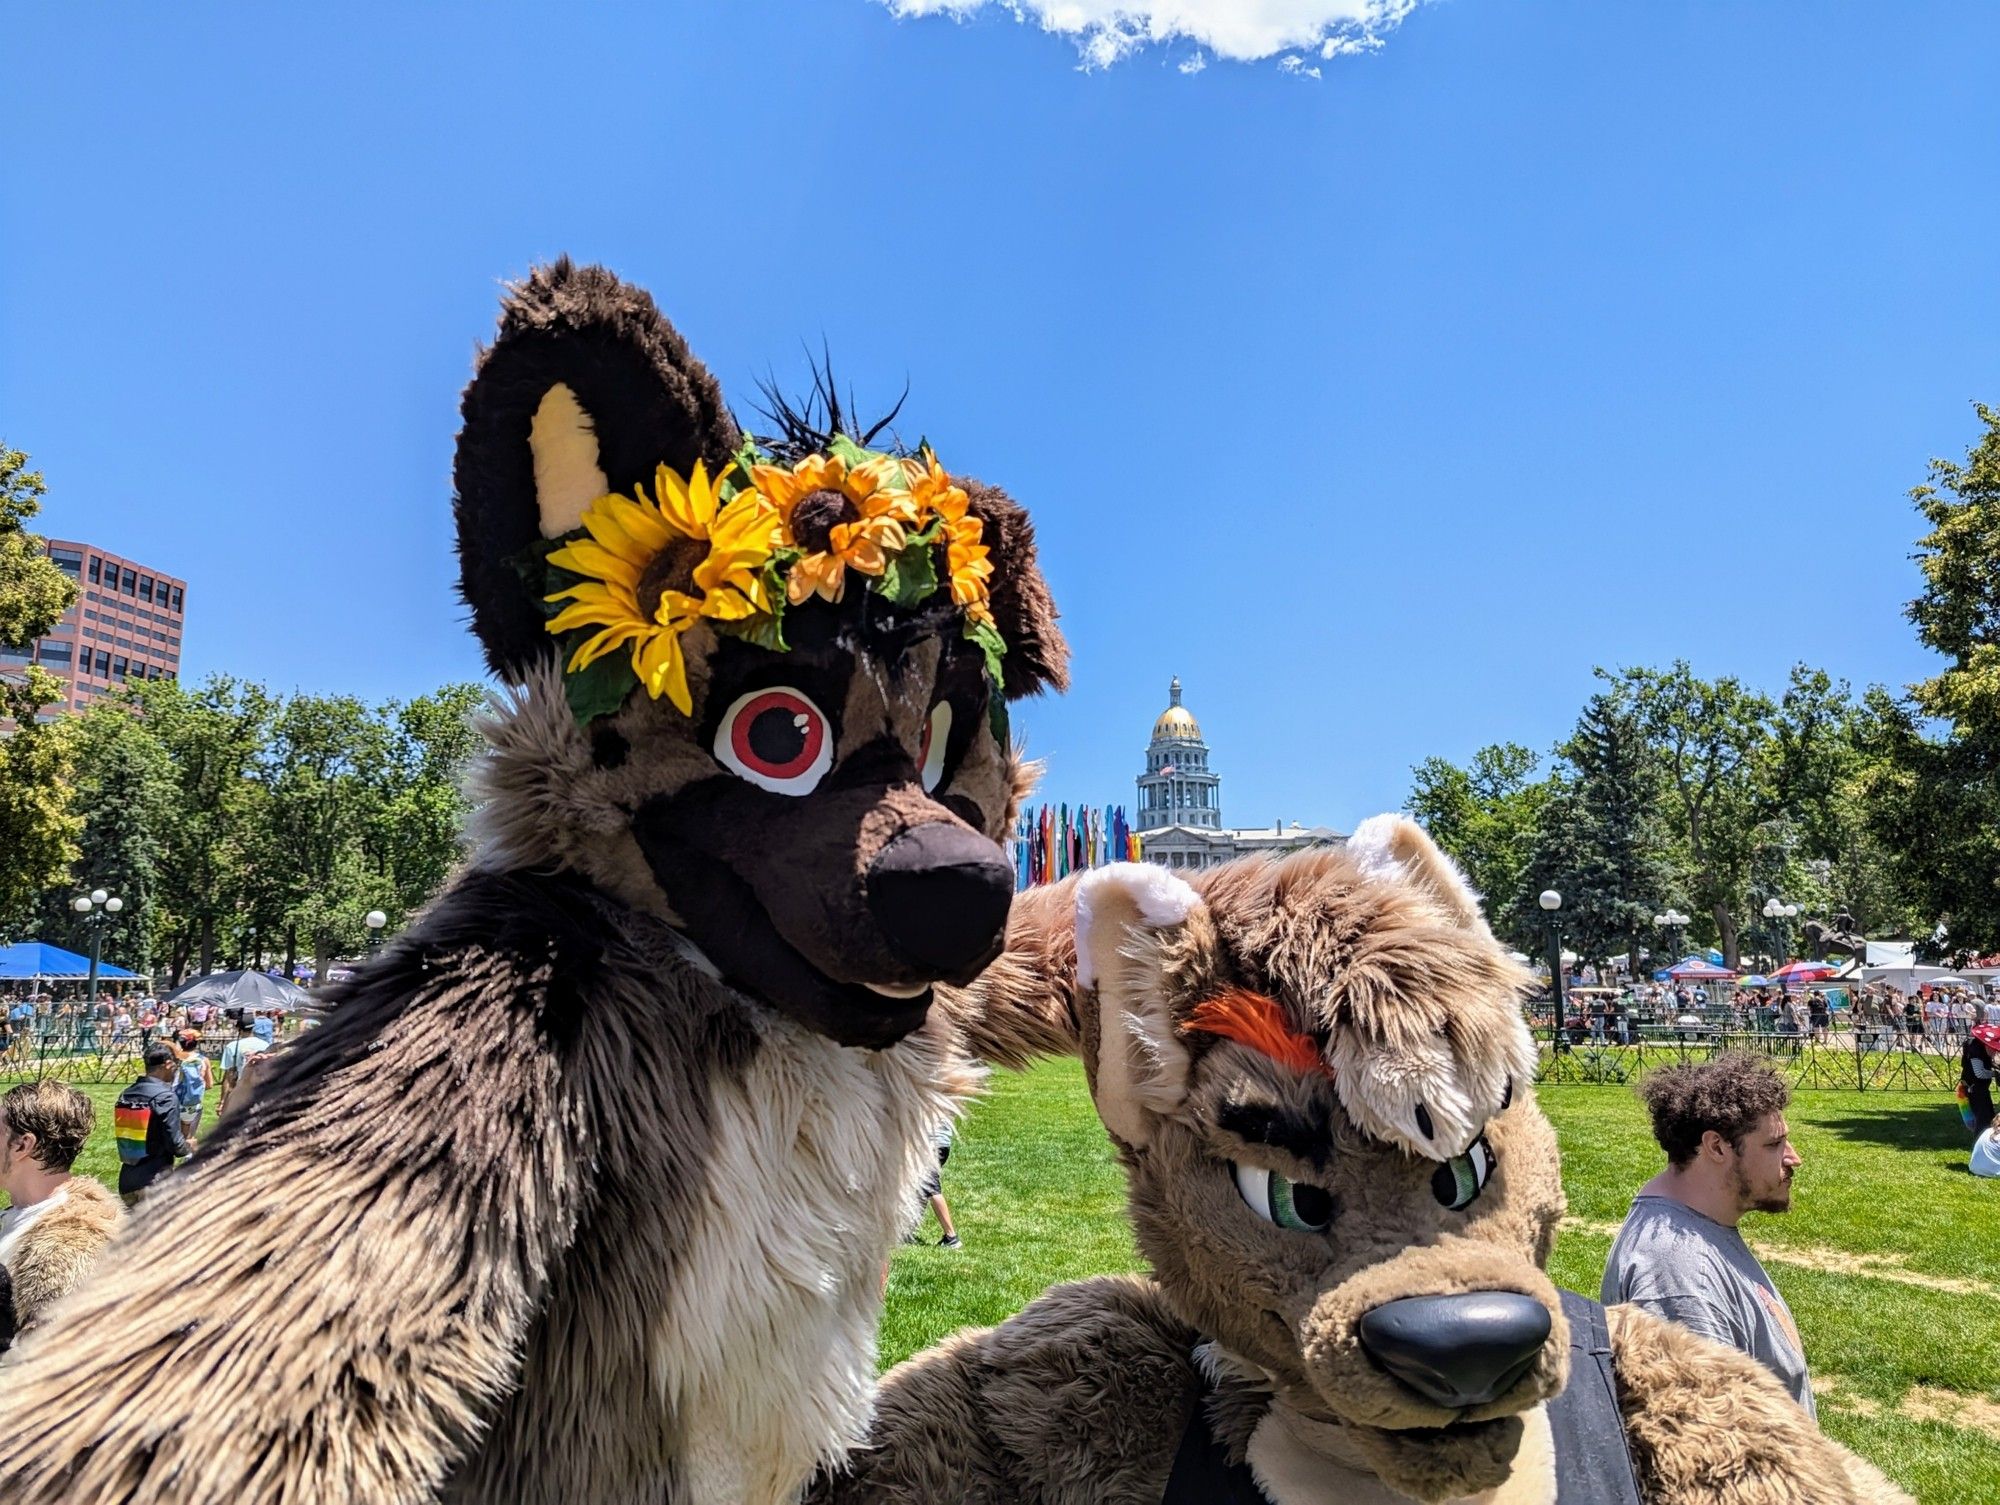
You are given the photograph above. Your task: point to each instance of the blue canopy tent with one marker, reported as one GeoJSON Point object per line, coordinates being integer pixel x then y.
{"type": "Point", "coordinates": [38, 961]}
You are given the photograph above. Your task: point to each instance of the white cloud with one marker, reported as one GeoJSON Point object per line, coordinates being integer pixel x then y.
{"type": "Point", "coordinates": [1105, 31]}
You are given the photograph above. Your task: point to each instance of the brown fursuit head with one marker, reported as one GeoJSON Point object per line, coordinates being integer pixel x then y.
{"type": "Point", "coordinates": [583, 1188]}
{"type": "Point", "coordinates": [1319, 1082]}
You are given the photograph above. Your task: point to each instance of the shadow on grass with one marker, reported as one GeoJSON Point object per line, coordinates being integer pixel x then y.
{"type": "Point", "coordinates": [1915, 1126]}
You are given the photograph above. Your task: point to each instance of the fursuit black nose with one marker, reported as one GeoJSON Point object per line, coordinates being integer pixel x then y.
{"type": "Point", "coordinates": [1458, 1351]}
{"type": "Point", "coordinates": [940, 893]}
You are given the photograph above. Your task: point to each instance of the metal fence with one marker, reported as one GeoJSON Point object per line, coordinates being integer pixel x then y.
{"type": "Point", "coordinates": [1864, 1060]}
{"type": "Point", "coordinates": [61, 1048]}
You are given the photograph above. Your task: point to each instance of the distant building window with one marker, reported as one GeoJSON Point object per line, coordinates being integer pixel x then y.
{"type": "Point", "coordinates": [68, 561]}
{"type": "Point", "coordinates": [145, 587]}
{"type": "Point", "coordinates": [96, 569]}
{"type": "Point", "coordinates": [177, 598]}
{"type": "Point", "coordinates": [128, 582]}
{"type": "Point", "coordinates": [13, 655]}
{"type": "Point", "coordinates": [120, 667]}
{"type": "Point", "coordinates": [103, 664]}
{"type": "Point", "coordinates": [55, 653]}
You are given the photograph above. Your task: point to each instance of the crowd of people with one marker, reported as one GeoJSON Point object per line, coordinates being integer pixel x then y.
{"type": "Point", "coordinates": [41, 1023]}
{"type": "Point", "coordinates": [1939, 1020]}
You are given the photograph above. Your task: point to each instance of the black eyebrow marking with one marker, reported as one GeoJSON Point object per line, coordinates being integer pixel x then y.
{"type": "Point", "coordinates": [1307, 1137]}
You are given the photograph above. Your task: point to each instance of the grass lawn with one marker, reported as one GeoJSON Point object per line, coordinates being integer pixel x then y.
{"type": "Point", "coordinates": [1891, 1260]}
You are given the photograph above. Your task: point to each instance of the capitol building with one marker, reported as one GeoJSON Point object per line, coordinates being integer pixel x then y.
{"type": "Point", "coordinates": [1180, 802]}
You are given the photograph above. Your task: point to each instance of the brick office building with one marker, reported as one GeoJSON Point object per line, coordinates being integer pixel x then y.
{"type": "Point", "coordinates": [126, 624]}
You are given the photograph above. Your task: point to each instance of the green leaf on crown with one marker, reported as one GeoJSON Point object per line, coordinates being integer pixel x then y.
{"type": "Point", "coordinates": [767, 631]}
{"type": "Point", "coordinates": [736, 475]}
{"type": "Point", "coordinates": [599, 688]}
{"type": "Point", "coordinates": [846, 449]}
{"type": "Point", "coordinates": [761, 631]}
{"type": "Point", "coordinates": [911, 575]}
{"type": "Point", "coordinates": [986, 637]}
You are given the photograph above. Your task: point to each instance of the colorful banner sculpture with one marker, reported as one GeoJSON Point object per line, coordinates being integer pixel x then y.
{"type": "Point", "coordinates": [1052, 841]}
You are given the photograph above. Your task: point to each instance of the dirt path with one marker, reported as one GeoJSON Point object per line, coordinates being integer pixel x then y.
{"type": "Point", "coordinates": [1970, 1413]}
{"type": "Point", "coordinates": [1835, 1262]}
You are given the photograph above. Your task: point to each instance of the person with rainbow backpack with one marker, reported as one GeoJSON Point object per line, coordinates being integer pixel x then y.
{"type": "Point", "coordinates": [146, 1122]}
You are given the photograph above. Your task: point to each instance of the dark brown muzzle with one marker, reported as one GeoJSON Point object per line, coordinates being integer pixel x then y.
{"type": "Point", "coordinates": [940, 894]}
{"type": "Point", "coordinates": [1457, 1351]}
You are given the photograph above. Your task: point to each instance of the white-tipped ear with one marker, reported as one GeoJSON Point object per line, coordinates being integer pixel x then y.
{"type": "Point", "coordinates": [1396, 848]}
{"type": "Point", "coordinates": [1121, 911]}
{"type": "Point", "coordinates": [568, 478]}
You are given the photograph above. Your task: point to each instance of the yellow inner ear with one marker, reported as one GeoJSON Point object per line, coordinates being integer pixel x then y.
{"type": "Point", "coordinates": [567, 478]}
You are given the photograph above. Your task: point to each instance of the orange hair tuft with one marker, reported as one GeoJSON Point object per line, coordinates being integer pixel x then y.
{"type": "Point", "coordinates": [1255, 1020]}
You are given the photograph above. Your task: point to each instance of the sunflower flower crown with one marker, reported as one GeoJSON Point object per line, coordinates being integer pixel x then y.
{"type": "Point", "coordinates": [739, 549]}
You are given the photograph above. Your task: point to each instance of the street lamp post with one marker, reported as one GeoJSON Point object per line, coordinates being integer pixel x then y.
{"type": "Point", "coordinates": [374, 920]}
{"type": "Point", "coordinates": [96, 910]}
{"type": "Point", "coordinates": [1778, 913]}
{"type": "Point", "coordinates": [1673, 922]}
{"type": "Point", "coordinates": [1551, 903]}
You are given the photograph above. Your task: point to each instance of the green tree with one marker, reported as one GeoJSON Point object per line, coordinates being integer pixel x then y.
{"type": "Point", "coordinates": [1934, 800]}
{"type": "Point", "coordinates": [417, 827]}
{"type": "Point", "coordinates": [1707, 737]}
{"type": "Point", "coordinates": [1617, 801]}
{"type": "Point", "coordinates": [34, 593]}
{"type": "Point", "coordinates": [326, 771]}
{"type": "Point", "coordinates": [214, 738]}
{"type": "Point", "coordinates": [1486, 816]}
{"type": "Point", "coordinates": [1816, 773]}
{"type": "Point", "coordinates": [124, 796]}
{"type": "Point", "coordinates": [37, 831]}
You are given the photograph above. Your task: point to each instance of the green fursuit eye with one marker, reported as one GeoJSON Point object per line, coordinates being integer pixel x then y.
{"type": "Point", "coordinates": [1297, 1205]}
{"type": "Point", "coordinates": [1460, 1180]}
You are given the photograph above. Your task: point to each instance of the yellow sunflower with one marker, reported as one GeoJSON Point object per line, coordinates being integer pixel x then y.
{"type": "Point", "coordinates": [966, 560]}
{"type": "Point", "coordinates": [843, 517]}
{"type": "Point", "coordinates": [653, 568]}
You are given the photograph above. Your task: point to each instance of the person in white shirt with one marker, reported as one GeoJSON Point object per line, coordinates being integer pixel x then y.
{"type": "Point", "coordinates": [1986, 1151]}
{"type": "Point", "coordinates": [55, 1223]}
{"type": "Point", "coordinates": [236, 1055]}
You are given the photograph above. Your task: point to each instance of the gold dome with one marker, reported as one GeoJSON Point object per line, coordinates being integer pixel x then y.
{"type": "Point", "coordinates": [1175, 721]}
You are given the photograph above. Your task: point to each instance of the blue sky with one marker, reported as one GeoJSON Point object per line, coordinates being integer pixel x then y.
{"type": "Point", "coordinates": [1380, 406]}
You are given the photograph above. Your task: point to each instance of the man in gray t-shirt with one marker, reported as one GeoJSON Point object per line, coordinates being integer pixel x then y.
{"type": "Point", "coordinates": [1693, 1270]}
{"type": "Point", "coordinates": [1679, 1255]}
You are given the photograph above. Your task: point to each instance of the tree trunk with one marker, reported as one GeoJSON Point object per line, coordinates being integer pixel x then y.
{"type": "Point", "coordinates": [1725, 929]}
{"type": "Point", "coordinates": [207, 943]}
{"type": "Point", "coordinates": [291, 948]}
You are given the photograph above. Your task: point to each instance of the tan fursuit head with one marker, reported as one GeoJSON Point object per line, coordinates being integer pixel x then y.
{"type": "Point", "coordinates": [583, 1189]}
{"type": "Point", "coordinates": [1319, 1082]}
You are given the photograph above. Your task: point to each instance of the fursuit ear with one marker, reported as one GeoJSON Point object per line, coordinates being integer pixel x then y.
{"type": "Point", "coordinates": [587, 389]}
{"type": "Point", "coordinates": [1395, 847]}
{"type": "Point", "coordinates": [1125, 914]}
{"type": "Point", "coordinates": [1037, 657]}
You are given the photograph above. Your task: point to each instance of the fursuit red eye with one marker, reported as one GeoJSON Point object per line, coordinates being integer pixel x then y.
{"type": "Point", "coordinates": [777, 739]}
{"type": "Point", "coordinates": [937, 735]}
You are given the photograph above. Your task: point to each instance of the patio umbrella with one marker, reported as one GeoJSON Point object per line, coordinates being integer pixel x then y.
{"type": "Point", "coordinates": [1698, 969]}
{"type": "Point", "coordinates": [241, 990]}
{"type": "Point", "coordinates": [1757, 981]}
{"type": "Point", "coordinates": [1793, 972]}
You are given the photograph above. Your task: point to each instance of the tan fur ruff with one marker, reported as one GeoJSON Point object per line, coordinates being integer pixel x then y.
{"type": "Point", "coordinates": [59, 1248]}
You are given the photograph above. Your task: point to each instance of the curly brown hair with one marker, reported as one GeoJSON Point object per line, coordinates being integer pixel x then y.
{"type": "Point", "coordinates": [59, 1117]}
{"type": "Point", "coordinates": [1731, 1094]}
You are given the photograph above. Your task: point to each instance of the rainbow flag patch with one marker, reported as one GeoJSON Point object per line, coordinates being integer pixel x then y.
{"type": "Point", "coordinates": [128, 1127]}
